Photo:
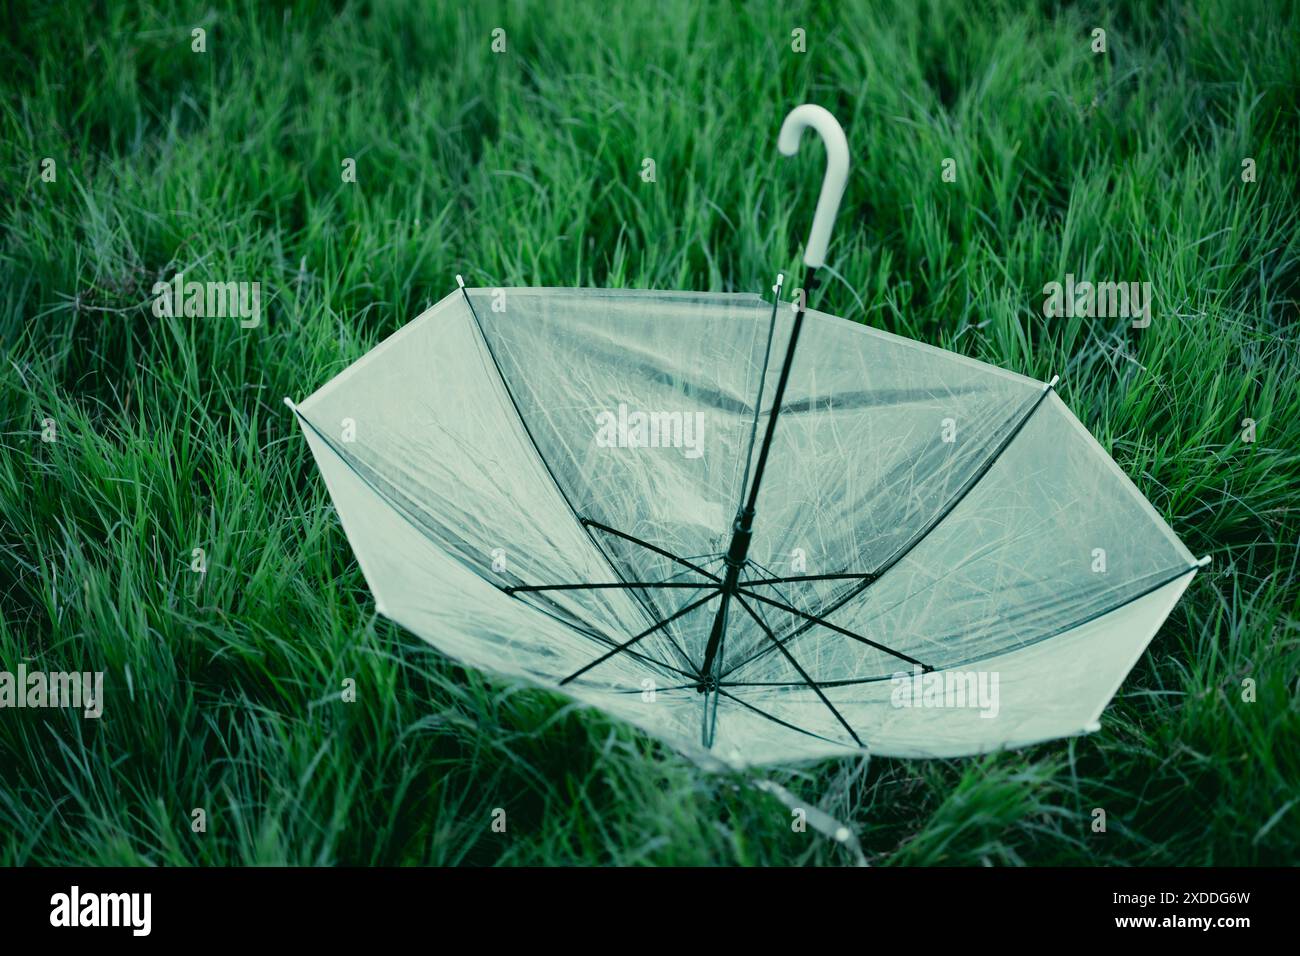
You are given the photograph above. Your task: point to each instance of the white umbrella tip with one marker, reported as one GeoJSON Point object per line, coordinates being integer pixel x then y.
{"type": "Point", "coordinates": [1052, 383]}
{"type": "Point", "coordinates": [289, 401]}
{"type": "Point", "coordinates": [1204, 561]}
{"type": "Point", "coordinates": [1092, 728]}
{"type": "Point", "coordinates": [459, 281]}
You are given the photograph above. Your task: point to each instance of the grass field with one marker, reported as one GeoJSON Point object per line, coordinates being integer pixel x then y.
{"type": "Point", "coordinates": [524, 168]}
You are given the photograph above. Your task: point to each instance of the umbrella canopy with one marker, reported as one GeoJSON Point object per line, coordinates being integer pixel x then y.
{"type": "Point", "coordinates": [589, 489]}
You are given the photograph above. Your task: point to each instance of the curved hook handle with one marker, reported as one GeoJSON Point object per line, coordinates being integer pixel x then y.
{"type": "Point", "coordinates": [837, 172]}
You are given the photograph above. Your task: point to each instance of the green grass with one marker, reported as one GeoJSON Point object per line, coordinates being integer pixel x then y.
{"type": "Point", "coordinates": [524, 169]}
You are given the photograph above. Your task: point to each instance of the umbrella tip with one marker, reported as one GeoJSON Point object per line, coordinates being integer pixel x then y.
{"type": "Point", "coordinates": [289, 401]}
{"type": "Point", "coordinates": [459, 281]}
{"type": "Point", "coordinates": [1052, 383]}
{"type": "Point", "coordinates": [1093, 727]}
{"type": "Point", "coordinates": [1204, 561]}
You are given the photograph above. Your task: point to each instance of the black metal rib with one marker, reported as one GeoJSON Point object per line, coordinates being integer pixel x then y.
{"type": "Point", "coordinates": [533, 588]}
{"type": "Point", "coordinates": [816, 688]}
{"type": "Point", "coordinates": [586, 630]}
{"type": "Point", "coordinates": [681, 652]}
{"type": "Point", "coordinates": [589, 522]}
{"type": "Point", "coordinates": [606, 639]}
{"type": "Point", "coordinates": [758, 401]}
{"type": "Point", "coordinates": [806, 625]}
{"type": "Point", "coordinates": [637, 690]}
{"type": "Point", "coordinates": [837, 629]}
{"type": "Point", "coordinates": [712, 555]}
{"type": "Point", "coordinates": [1086, 619]}
{"type": "Point", "coordinates": [777, 590]}
{"type": "Point", "coordinates": [646, 633]}
{"type": "Point", "coordinates": [640, 599]}
{"type": "Point", "coordinates": [777, 720]}
{"type": "Point", "coordinates": [867, 575]}
{"type": "Point", "coordinates": [795, 683]}
{"type": "Point", "coordinates": [908, 546]}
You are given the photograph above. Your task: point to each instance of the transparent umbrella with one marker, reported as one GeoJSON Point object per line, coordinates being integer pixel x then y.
{"type": "Point", "coordinates": [756, 531]}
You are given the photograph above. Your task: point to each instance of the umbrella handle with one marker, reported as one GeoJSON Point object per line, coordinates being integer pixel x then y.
{"type": "Point", "coordinates": [837, 172]}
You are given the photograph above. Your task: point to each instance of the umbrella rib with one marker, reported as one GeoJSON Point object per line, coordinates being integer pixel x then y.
{"type": "Point", "coordinates": [525, 589]}
{"type": "Point", "coordinates": [762, 379]}
{"type": "Point", "coordinates": [1087, 619]}
{"type": "Point", "coordinates": [591, 632]}
{"type": "Point", "coordinates": [772, 575]}
{"type": "Point", "coordinates": [637, 654]}
{"type": "Point", "coordinates": [714, 555]}
{"type": "Point", "coordinates": [777, 720]}
{"type": "Point", "coordinates": [537, 449]}
{"type": "Point", "coordinates": [794, 683]}
{"type": "Point", "coordinates": [589, 522]}
{"type": "Point", "coordinates": [646, 633]}
{"type": "Point", "coordinates": [804, 627]}
{"type": "Point", "coordinates": [846, 401]}
{"type": "Point", "coordinates": [681, 651]}
{"type": "Point", "coordinates": [862, 575]}
{"type": "Point", "coordinates": [639, 690]}
{"type": "Point", "coordinates": [401, 510]}
{"type": "Point", "coordinates": [816, 688]}
{"type": "Point", "coordinates": [908, 546]}
{"type": "Point", "coordinates": [839, 630]}
{"type": "Point", "coordinates": [533, 588]}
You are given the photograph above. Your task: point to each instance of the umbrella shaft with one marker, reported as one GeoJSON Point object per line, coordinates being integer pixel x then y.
{"type": "Point", "coordinates": [742, 532]}
{"type": "Point", "coordinates": [737, 555]}
{"type": "Point", "coordinates": [729, 587]}
{"type": "Point", "coordinates": [810, 282]}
